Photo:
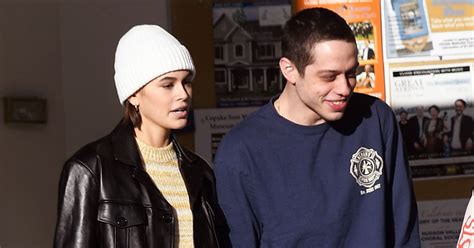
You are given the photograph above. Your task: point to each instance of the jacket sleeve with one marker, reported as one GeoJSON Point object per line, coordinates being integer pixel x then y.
{"type": "Point", "coordinates": [77, 207]}
{"type": "Point", "coordinates": [403, 204]}
{"type": "Point", "coordinates": [234, 196]}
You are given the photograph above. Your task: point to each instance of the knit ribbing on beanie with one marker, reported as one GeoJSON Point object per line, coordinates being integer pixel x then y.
{"type": "Point", "coordinates": [162, 166]}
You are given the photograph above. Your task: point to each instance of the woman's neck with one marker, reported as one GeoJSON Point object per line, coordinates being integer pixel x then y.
{"type": "Point", "coordinates": [153, 136]}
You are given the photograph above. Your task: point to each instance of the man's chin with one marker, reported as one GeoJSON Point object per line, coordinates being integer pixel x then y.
{"type": "Point", "coordinates": [334, 116]}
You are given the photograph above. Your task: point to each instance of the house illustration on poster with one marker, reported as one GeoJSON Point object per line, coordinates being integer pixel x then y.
{"type": "Point", "coordinates": [246, 58]}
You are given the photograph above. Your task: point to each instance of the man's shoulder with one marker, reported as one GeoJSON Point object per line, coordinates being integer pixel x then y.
{"type": "Point", "coordinates": [364, 102]}
{"type": "Point", "coordinates": [245, 134]}
{"type": "Point", "coordinates": [251, 123]}
{"type": "Point", "coordinates": [467, 117]}
{"type": "Point", "coordinates": [364, 110]}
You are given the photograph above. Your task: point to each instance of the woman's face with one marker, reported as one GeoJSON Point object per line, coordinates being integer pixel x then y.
{"type": "Point", "coordinates": [165, 101]}
{"type": "Point", "coordinates": [403, 116]}
{"type": "Point", "coordinates": [434, 113]}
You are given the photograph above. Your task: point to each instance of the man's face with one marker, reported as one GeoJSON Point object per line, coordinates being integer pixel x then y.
{"type": "Point", "coordinates": [419, 111]}
{"type": "Point", "coordinates": [323, 93]}
{"type": "Point", "coordinates": [459, 107]}
{"type": "Point", "coordinates": [368, 68]}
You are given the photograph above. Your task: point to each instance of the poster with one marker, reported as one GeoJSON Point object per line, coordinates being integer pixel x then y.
{"type": "Point", "coordinates": [247, 49]}
{"type": "Point", "coordinates": [428, 27]}
{"type": "Point", "coordinates": [413, 84]}
{"type": "Point", "coordinates": [440, 222]}
{"type": "Point", "coordinates": [434, 106]}
{"type": "Point", "coordinates": [212, 124]}
{"type": "Point", "coordinates": [363, 16]}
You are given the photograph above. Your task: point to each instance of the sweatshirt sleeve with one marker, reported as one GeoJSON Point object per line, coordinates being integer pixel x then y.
{"type": "Point", "coordinates": [77, 208]}
{"type": "Point", "coordinates": [234, 192]}
{"type": "Point", "coordinates": [403, 203]}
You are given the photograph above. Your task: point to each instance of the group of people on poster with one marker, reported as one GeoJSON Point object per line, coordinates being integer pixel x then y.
{"type": "Point", "coordinates": [432, 134]}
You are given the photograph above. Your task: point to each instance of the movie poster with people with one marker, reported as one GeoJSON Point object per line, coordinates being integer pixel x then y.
{"type": "Point", "coordinates": [363, 16]}
{"type": "Point", "coordinates": [434, 105]}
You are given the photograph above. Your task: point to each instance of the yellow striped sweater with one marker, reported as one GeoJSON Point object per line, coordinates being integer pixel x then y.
{"type": "Point", "coordinates": [162, 166]}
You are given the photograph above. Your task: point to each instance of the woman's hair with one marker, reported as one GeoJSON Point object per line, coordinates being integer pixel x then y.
{"type": "Point", "coordinates": [132, 115]}
{"type": "Point", "coordinates": [434, 107]}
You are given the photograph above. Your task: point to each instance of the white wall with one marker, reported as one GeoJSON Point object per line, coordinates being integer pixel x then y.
{"type": "Point", "coordinates": [62, 52]}
{"type": "Point", "coordinates": [90, 32]}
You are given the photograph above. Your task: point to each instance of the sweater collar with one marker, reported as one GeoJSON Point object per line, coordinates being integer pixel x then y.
{"type": "Point", "coordinates": [125, 148]}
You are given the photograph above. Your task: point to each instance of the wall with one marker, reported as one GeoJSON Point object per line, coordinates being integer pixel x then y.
{"type": "Point", "coordinates": [61, 51]}
{"type": "Point", "coordinates": [30, 155]}
{"type": "Point", "coordinates": [90, 32]}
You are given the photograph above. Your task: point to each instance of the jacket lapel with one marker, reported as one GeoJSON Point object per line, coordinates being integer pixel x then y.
{"type": "Point", "coordinates": [190, 170]}
{"type": "Point", "coordinates": [125, 148]}
{"type": "Point", "coordinates": [126, 151]}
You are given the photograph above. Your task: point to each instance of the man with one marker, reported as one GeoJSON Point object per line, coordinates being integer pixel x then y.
{"type": "Point", "coordinates": [366, 79]}
{"type": "Point", "coordinates": [461, 128]}
{"type": "Point", "coordinates": [416, 132]}
{"type": "Point", "coordinates": [319, 165]}
{"type": "Point", "coordinates": [367, 51]}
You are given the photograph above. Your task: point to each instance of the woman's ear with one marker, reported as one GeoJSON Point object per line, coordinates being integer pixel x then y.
{"type": "Point", "coordinates": [288, 70]}
{"type": "Point", "coordinates": [134, 100]}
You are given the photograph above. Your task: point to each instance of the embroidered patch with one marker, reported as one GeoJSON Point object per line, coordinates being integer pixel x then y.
{"type": "Point", "coordinates": [366, 168]}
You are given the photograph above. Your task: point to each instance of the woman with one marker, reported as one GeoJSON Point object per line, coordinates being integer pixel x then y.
{"type": "Point", "coordinates": [433, 130]}
{"type": "Point", "coordinates": [137, 187]}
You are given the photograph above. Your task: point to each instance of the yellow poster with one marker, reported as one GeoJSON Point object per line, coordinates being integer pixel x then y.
{"type": "Point", "coordinates": [450, 16]}
{"type": "Point", "coordinates": [363, 16]}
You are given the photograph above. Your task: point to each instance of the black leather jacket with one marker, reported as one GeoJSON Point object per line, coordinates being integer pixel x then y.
{"type": "Point", "coordinates": [106, 198]}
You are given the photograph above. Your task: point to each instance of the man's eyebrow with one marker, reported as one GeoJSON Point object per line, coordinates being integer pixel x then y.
{"type": "Point", "coordinates": [327, 71]}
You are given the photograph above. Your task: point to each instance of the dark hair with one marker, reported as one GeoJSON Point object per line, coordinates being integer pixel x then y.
{"type": "Point", "coordinates": [403, 111]}
{"type": "Point", "coordinates": [434, 107]}
{"type": "Point", "coordinates": [131, 115]}
{"type": "Point", "coordinates": [461, 101]}
{"type": "Point", "coordinates": [308, 27]}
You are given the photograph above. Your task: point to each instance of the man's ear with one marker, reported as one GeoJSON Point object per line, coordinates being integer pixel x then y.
{"type": "Point", "coordinates": [288, 69]}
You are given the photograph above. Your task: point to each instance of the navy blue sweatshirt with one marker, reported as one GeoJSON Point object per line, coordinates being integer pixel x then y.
{"type": "Point", "coordinates": [337, 184]}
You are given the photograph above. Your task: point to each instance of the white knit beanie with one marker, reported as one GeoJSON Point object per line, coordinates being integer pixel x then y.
{"type": "Point", "coordinates": [144, 53]}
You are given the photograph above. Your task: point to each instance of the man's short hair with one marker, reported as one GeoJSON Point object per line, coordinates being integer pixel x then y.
{"type": "Point", "coordinates": [308, 27]}
{"type": "Point", "coordinates": [461, 101]}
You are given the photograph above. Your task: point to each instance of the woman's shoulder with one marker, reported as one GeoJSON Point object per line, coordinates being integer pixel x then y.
{"type": "Point", "coordinates": [89, 155]}
{"type": "Point", "coordinates": [197, 160]}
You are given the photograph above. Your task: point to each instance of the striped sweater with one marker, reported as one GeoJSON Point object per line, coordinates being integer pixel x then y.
{"type": "Point", "coordinates": [162, 165]}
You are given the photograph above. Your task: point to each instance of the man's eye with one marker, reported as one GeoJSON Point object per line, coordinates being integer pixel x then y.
{"type": "Point", "coordinates": [351, 75]}
{"type": "Point", "coordinates": [167, 85]}
{"type": "Point", "coordinates": [329, 78]}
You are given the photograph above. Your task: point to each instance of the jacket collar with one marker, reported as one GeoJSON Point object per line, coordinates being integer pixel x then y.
{"type": "Point", "coordinates": [124, 147]}
{"type": "Point", "coordinates": [125, 150]}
